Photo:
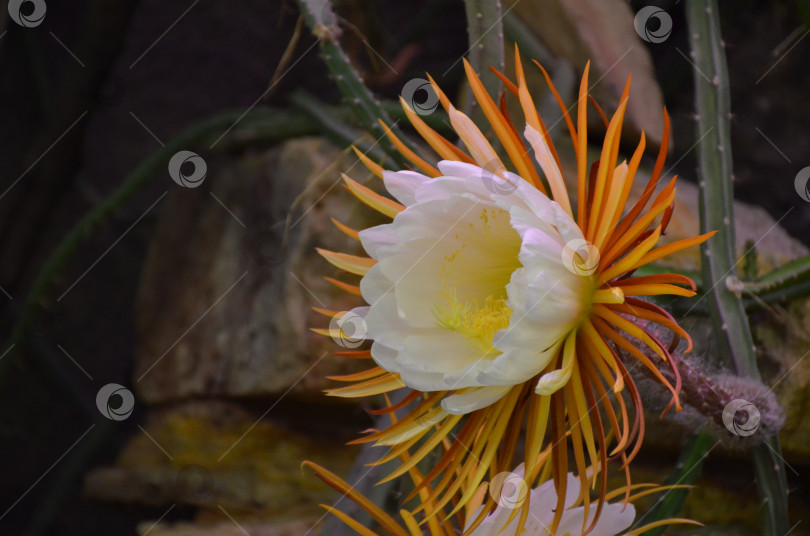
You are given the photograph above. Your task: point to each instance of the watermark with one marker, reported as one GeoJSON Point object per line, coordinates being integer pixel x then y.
{"type": "Point", "coordinates": [802, 183]}
{"type": "Point", "coordinates": [509, 490]}
{"type": "Point", "coordinates": [741, 417]}
{"type": "Point", "coordinates": [27, 13]}
{"type": "Point", "coordinates": [195, 485]}
{"type": "Point", "coordinates": [188, 169]}
{"type": "Point", "coordinates": [348, 329]}
{"type": "Point", "coordinates": [420, 96]}
{"type": "Point", "coordinates": [653, 24]}
{"type": "Point", "coordinates": [115, 402]}
{"type": "Point", "coordinates": [494, 182]}
{"type": "Point", "coordinates": [580, 257]}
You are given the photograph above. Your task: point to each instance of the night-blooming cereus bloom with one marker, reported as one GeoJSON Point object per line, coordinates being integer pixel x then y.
{"type": "Point", "coordinates": [616, 517]}
{"type": "Point", "coordinates": [501, 304]}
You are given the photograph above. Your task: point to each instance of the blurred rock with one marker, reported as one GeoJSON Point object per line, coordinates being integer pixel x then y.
{"type": "Point", "coordinates": [224, 304]}
{"type": "Point", "coordinates": [228, 528]}
{"type": "Point", "coordinates": [601, 31]}
{"type": "Point", "coordinates": [784, 346]}
{"type": "Point", "coordinates": [217, 455]}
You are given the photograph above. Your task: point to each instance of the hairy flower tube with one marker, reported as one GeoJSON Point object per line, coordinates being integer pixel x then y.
{"type": "Point", "coordinates": [500, 303]}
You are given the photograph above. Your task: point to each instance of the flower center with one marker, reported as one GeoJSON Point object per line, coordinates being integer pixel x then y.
{"type": "Point", "coordinates": [477, 321]}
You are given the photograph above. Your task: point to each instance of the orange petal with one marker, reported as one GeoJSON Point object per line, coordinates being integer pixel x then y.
{"type": "Point", "coordinates": [381, 204]}
{"type": "Point", "coordinates": [350, 263]}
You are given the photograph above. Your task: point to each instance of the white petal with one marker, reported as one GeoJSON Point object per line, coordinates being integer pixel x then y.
{"type": "Point", "coordinates": [374, 285]}
{"type": "Point", "coordinates": [614, 519]}
{"type": "Point", "coordinates": [379, 239]}
{"type": "Point", "coordinates": [442, 188]}
{"type": "Point", "coordinates": [423, 381]}
{"type": "Point", "coordinates": [463, 170]}
{"type": "Point", "coordinates": [438, 350]}
{"type": "Point", "coordinates": [568, 229]}
{"type": "Point", "coordinates": [476, 398]}
{"type": "Point", "coordinates": [516, 365]}
{"type": "Point", "coordinates": [529, 199]}
{"type": "Point", "coordinates": [403, 184]}
{"type": "Point", "coordinates": [384, 356]}
{"type": "Point", "coordinates": [471, 252]}
{"type": "Point", "coordinates": [541, 250]}
{"type": "Point", "coordinates": [385, 325]}
{"type": "Point", "coordinates": [543, 501]}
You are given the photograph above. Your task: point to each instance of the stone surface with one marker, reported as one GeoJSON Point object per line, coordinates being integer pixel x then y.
{"type": "Point", "coordinates": [218, 456]}
{"type": "Point", "coordinates": [225, 298]}
{"type": "Point", "coordinates": [784, 347]}
{"type": "Point", "coordinates": [227, 528]}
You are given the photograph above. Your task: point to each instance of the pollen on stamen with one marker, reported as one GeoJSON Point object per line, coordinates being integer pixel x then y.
{"type": "Point", "coordinates": [477, 322]}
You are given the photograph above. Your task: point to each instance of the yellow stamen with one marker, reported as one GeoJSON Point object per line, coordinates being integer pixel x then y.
{"type": "Point", "coordinates": [477, 322]}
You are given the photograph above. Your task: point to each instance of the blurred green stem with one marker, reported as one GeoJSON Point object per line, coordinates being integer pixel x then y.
{"type": "Point", "coordinates": [687, 471]}
{"type": "Point", "coordinates": [719, 259]}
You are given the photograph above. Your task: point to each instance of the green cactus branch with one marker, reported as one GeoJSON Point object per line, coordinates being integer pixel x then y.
{"type": "Point", "coordinates": [322, 21]}
{"type": "Point", "coordinates": [485, 34]}
{"type": "Point", "coordinates": [719, 257]}
{"type": "Point", "coordinates": [794, 273]}
{"type": "Point", "coordinates": [716, 205]}
{"type": "Point", "coordinates": [782, 285]}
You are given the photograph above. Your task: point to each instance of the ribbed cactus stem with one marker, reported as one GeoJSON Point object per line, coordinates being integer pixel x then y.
{"type": "Point", "coordinates": [733, 335]}
{"type": "Point", "coordinates": [485, 32]}
{"type": "Point", "coordinates": [788, 277]}
{"type": "Point", "coordinates": [322, 21]}
{"type": "Point", "coordinates": [719, 258]}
